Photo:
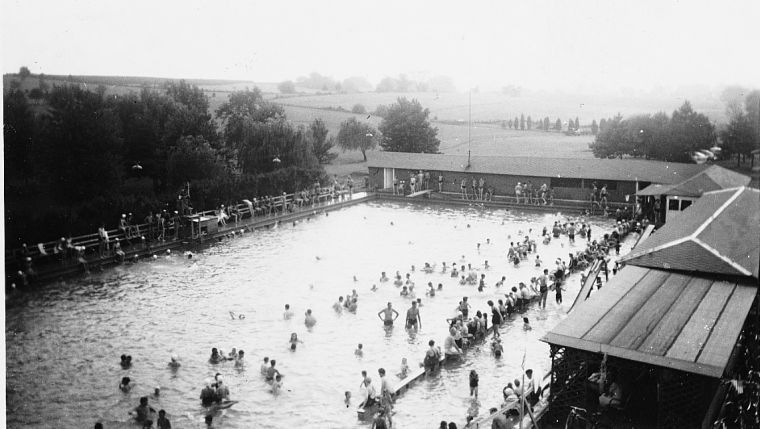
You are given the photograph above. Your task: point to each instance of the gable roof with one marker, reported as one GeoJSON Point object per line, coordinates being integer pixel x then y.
{"type": "Point", "coordinates": [576, 168]}
{"type": "Point", "coordinates": [717, 234]}
{"type": "Point", "coordinates": [672, 320]}
{"type": "Point", "coordinates": [712, 178]}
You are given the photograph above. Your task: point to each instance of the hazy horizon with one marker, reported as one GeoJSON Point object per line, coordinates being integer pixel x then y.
{"type": "Point", "coordinates": [649, 47]}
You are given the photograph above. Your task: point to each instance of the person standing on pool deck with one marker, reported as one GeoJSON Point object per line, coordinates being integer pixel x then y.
{"type": "Point", "coordinates": [440, 182]}
{"type": "Point", "coordinates": [464, 188]}
{"type": "Point", "coordinates": [413, 317]}
{"type": "Point", "coordinates": [387, 315]}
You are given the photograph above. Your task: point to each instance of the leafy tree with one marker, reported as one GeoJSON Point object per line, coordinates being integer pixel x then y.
{"type": "Point", "coordinates": [752, 107]}
{"type": "Point", "coordinates": [546, 123]}
{"type": "Point", "coordinates": [529, 123]}
{"type": "Point", "coordinates": [287, 87]}
{"type": "Point", "coordinates": [689, 131]}
{"type": "Point", "coordinates": [570, 125]}
{"type": "Point", "coordinates": [80, 150]}
{"type": "Point", "coordinates": [242, 107]}
{"type": "Point", "coordinates": [19, 133]}
{"type": "Point", "coordinates": [192, 158]}
{"type": "Point", "coordinates": [510, 124]}
{"type": "Point", "coordinates": [24, 73]}
{"type": "Point", "coordinates": [320, 143]}
{"type": "Point", "coordinates": [609, 141]}
{"type": "Point", "coordinates": [317, 81]}
{"type": "Point", "coordinates": [381, 110]}
{"type": "Point", "coordinates": [42, 84]}
{"type": "Point", "coordinates": [406, 128]}
{"type": "Point", "coordinates": [355, 135]}
{"type": "Point", "coordinates": [356, 84]}
{"type": "Point", "coordinates": [738, 137]}
{"type": "Point", "coordinates": [602, 124]}
{"type": "Point", "coordinates": [522, 122]}
{"type": "Point", "coordinates": [359, 109]}
{"type": "Point", "coordinates": [577, 124]}
{"type": "Point", "coordinates": [594, 127]}
{"type": "Point", "coordinates": [272, 145]}
{"type": "Point", "coordinates": [387, 84]}
{"type": "Point", "coordinates": [516, 122]}
{"type": "Point", "coordinates": [558, 125]}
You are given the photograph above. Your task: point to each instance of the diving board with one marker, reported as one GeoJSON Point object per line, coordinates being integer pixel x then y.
{"type": "Point", "coordinates": [419, 193]}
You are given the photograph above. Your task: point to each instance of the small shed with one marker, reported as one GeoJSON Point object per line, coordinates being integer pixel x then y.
{"type": "Point", "coordinates": [678, 197]}
{"type": "Point", "coordinates": [202, 226]}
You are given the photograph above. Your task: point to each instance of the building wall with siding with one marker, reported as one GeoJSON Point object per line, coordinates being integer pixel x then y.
{"type": "Point", "coordinates": [504, 184]}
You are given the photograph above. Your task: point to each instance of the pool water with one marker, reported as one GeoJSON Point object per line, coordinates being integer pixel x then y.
{"type": "Point", "coordinates": [63, 341]}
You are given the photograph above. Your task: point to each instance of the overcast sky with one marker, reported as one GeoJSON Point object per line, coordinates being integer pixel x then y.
{"type": "Point", "coordinates": [535, 44]}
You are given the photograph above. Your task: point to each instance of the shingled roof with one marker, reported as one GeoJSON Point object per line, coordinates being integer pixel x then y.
{"type": "Point", "coordinates": [668, 319]}
{"type": "Point", "coordinates": [718, 234]}
{"type": "Point", "coordinates": [712, 178]}
{"type": "Point", "coordinates": [576, 168]}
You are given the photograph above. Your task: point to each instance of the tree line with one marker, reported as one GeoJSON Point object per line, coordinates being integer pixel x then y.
{"type": "Point", "coordinates": [79, 158]}
{"type": "Point", "coordinates": [673, 138]}
{"type": "Point", "coordinates": [522, 123]}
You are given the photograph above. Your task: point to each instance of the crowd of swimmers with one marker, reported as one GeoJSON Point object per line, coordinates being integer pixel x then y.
{"type": "Point", "coordinates": [465, 328]}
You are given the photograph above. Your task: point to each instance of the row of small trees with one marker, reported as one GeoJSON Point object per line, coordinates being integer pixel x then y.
{"type": "Point", "coordinates": [354, 84]}
{"type": "Point", "coordinates": [544, 124]}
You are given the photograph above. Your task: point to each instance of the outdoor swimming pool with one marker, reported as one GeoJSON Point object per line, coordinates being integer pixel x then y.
{"type": "Point", "coordinates": [64, 340]}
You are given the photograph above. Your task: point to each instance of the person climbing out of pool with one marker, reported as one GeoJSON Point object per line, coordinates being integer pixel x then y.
{"type": "Point", "coordinates": [309, 319]}
{"type": "Point", "coordinates": [215, 356]}
{"type": "Point", "coordinates": [294, 341]}
{"type": "Point", "coordinates": [142, 412]}
{"type": "Point", "coordinates": [125, 385]}
{"type": "Point", "coordinates": [413, 317]}
{"type": "Point", "coordinates": [388, 315]}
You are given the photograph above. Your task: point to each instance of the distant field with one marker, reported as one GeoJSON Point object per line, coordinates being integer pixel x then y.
{"type": "Point", "coordinates": [445, 108]}
{"type": "Point", "coordinates": [497, 106]}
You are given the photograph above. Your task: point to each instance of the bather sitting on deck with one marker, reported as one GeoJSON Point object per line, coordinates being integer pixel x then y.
{"type": "Point", "coordinates": [450, 346]}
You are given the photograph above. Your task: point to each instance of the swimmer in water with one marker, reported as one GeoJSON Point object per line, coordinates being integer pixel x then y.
{"type": "Point", "coordinates": [215, 356]}
{"type": "Point", "coordinates": [126, 362]}
{"type": "Point", "coordinates": [240, 358]}
{"type": "Point", "coordinates": [265, 366]}
{"type": "Point", "coordinates": [309, 320]}
{"type": "Point", "coordinates": [294, 341]}
{"type": "Point", "coordinates": [359, 352]}
{"type": "Point", "coordinates": [142, 412]}
{"type": "Point", "coordinates": [526, 324]}
{"type": "Point", "coordinates": [347, 400]}
{"type": "Point", "coordinates": [404, 369]}
{"type": "Point", "coordinates": [338, 306]}
{"type": "Point", "coordinates": [383, 277]}
{"type": "Point", "coordinates": [388, 315]}
{"type": "Point", "coordinates": [271, 371]}
{"type": "Point", "coordinates": [404, 292]}
{"type": "Point", "coordinates": [288, 314]}
{"type": "Point", "coordinates": [125, 385]}
{"type": "Point", "coordinates": [174, 363]}
{"type": "Point", "coordinates": [277, 385]}
{"type": "Point", "coordinates": [373, 288]}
